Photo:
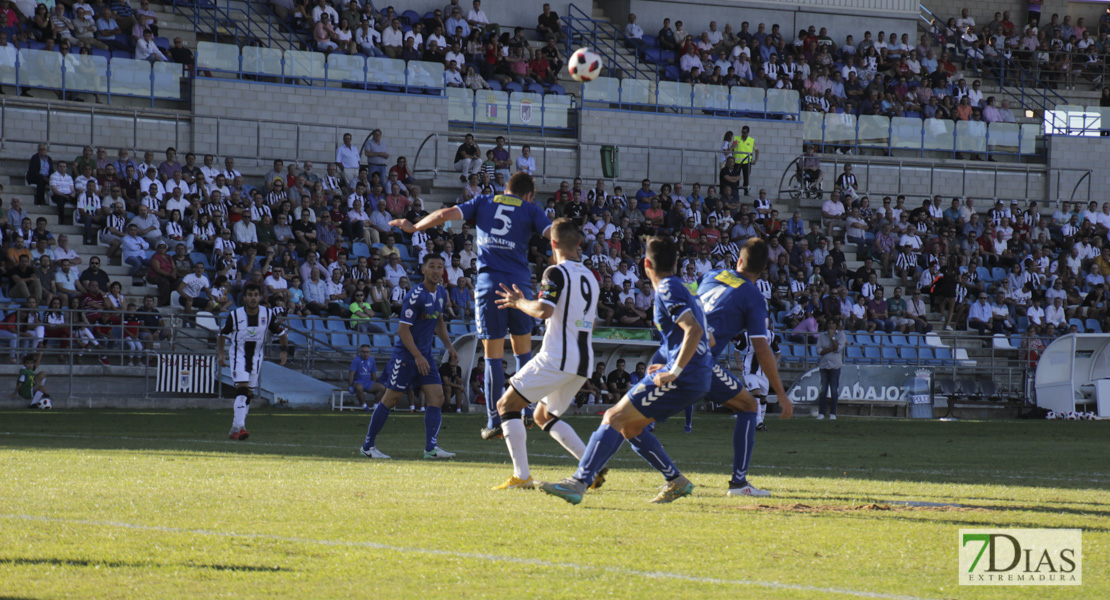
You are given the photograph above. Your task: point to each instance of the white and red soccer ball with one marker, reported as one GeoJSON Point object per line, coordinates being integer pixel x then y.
{"type": "Point", "coordinates": [584, 65]}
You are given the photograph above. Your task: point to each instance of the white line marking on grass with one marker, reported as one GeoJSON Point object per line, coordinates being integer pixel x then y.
{"type": "Point", "coordinates": [1087, 477]}
{"type": "Point", "coordinates": [496, 558]}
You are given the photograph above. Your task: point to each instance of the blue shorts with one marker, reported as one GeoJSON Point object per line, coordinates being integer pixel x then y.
{"type": "Point", "coordinates": [401, 373]}
{"type": "Point", "coordinates": [662, 402]}
{"type": "Point", "coordinates": [492, 322]}
{"type": "Point", "coordinates": [723, 385]}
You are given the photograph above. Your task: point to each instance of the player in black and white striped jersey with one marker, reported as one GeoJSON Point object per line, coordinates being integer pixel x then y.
{"type": "Point", "coordinates": [247, 327]}
{"type": "Point", "coordinates": [568, 300]}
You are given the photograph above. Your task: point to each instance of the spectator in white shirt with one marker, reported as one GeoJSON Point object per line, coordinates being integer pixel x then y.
{"type": "Point", "coordinates": [323, 7]}
{"type": "Point", "coordinates": [525, 162]}
{"type": "Point", "coordinates": [393, 39]}
{"type": "Point", "coordinates": [194, 288]}
{"type": "Point", "coordinates": [145, 49]}
{"type": "Point", "coordinates": [478, 20]}
{"type": "Point", "coordinates": [451, 75]}
{"type": "Point", "coordinates": [369, 40]}
{"type": "Point", "coordinates": [634, 32]}
{"type": "Point", "coordinates": [1055, 314]}
{"type": "Point", "coordinates": [62, 190]}
{"type": "Point", "coordinates": [347, 157]}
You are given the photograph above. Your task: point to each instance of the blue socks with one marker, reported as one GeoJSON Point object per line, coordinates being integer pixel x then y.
{"type": "Point", "coordinates": [743, 440]}
{"type": "Point", "coordinates": [377, 421]}
{"type": "Point", "coordinates": [649, 448]}
{"type": "Point", "coordinates": [433, 417]}
{"type": "Point", "coordinates": [603, 444]}
{"type": "Point", "coordinates": [689, 418]}
{"type": "Point", "coordinates": [494, 387]}
{"type": "Point", "coordinates": [521, 360]}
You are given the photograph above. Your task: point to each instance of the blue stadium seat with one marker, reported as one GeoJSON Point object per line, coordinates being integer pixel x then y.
{"type": "Point", "coordinates": [410, 17]}
{"type": "Point", "coordinates": [943, 356]}
{"type": "Point", "coordinates": [998, 274]}
{"type": "Point", "coordinates": [915, 339]}
{"type": "Point", "coordinates": [896, 339]}
{"type": "Point", "coordinates": [925, 356]}
{"type": "Point", "coordinates": [535, 88]}
{"type": "Point", "coordinates": [864, 339]}
{"type": "Point", "coordinates": [1093, 326]}
{"type": "Point", "coordinates": [381, 342]}
{"type": "Point", "coordinates": [557, 90]}
{"type": "Point", "coordinates": [457, 328]}
{"type": "Point", "coordinates": [788, 354]}
{"type": "Point", "coordinates": [1078, 324]}
{"type": "Point", "coordinates": [201, 258]}
{"type": "Point", "coordinates": [671, 73]}
{"type": "Point", "coordinates": [871, 353]}
{"type": "Point", "coordinates": [855, 354]}
{"type": "Point", "coordinates": [336, 324]}
{"type": "Point", "coordinates": [494, 85]}
{"type": "Point", "coordinates": [360, 249]}
{"type": "Point", "coordinates": [121, 54]}
{"type": "Point", "coordinates": [649, 40]}
{"type": "Point", "coordinates": [909, 354]}
{"type": "Point", "coordinates": [1022, 324]}
{"type": "Point", "coordinates": [890, 356]}
{"type": "Point", "coordinates": [513, 86]}
{"type": "Point", "coordinates": [101, 53]}
{"type": "Point", "coordinates": [984, 274]}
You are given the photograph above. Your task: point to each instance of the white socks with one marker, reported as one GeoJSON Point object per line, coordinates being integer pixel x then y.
{"type": "Point", "coordinates": [516, 438]}
{"type": "Point", "coordinates": [563, 433]}
{"type": "Point", "coordinates": [241, 408]}
{"type": "Point", "coordinates": [762, 411]}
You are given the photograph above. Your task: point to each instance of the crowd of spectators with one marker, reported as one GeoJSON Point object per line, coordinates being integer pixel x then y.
{"type": "Point", "coordinates": [81, 27]}
{"type": "Point", "coordinates": [472, 50]}
{"type": "Point", "coordinates": [890, 74]}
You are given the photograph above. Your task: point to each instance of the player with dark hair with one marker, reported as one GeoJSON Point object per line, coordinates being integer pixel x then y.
{"type": "Point", "coordinates": [246, 327]}
{"type": "Point", "coordinates": [569, 295]}
{"type": "Point", "coordinates": [412, 362]}
{"type": "Point", "coordinates": [734, 305]}
{"type": "Point", "coordinates": [670, 388]}
{"type": "Point", "coordinates": [505, 224]}
{"type": "Point", "coordinates": [31, 385]}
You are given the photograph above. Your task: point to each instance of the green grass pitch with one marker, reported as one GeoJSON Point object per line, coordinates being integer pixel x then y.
{"type": "Point", "coordinates": [135, 505]}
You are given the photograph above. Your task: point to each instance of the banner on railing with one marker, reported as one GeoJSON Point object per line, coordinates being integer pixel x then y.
{"type": "Point", "coordinates": [186, 374]}
{"type": "Point", "coordinates": [905, 384]}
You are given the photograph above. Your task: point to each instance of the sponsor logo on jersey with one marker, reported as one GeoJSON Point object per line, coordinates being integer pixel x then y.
{"type": "Point", "coordinates": [510, 200]}
{"type": "Point", "coordinates": [729, 279]}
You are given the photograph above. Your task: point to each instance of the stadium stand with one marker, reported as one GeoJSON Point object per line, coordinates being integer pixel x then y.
{"type": "Point", "coordinates": [902, 271]}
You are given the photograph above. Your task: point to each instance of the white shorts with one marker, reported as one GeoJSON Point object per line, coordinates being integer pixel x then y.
{"type": "Point", "coordinates": [538, 381]}
{"type": "Point", "coordinates": [245, 366]}
{"type": "Point", "coordinates": [756, 384]}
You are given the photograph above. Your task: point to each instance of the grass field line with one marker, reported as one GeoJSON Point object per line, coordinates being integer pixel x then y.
{"type": "Point", "coordinates": [496, 558]}
{"type": "Point", "coordinates": [1090, 477]}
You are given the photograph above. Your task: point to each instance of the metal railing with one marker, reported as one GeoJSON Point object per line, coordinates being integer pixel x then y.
{"type": "Point", "coordinates": [869, 170]}
{"type": "Point", "coordinates": [10, 109]}
{"type": "Point", "coordinates": [939, 137]}
{"type": "Point", "coordinates": [307, 68]}
{"type": "Point", "coordinates": [97, 75]}
{"type": "Point", "coordinates": [608, 40]}
{"type": "Point", "coordinates": [220, 21]}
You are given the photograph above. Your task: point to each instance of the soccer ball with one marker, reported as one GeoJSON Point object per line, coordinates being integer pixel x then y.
{"type": "Point", "coordinates": [584, 65]}
{"type": "Point", "coordinates": [46, 404]}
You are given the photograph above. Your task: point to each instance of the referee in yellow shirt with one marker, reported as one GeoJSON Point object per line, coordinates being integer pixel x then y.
{"type": "Point", "coordinates": [746, 154]}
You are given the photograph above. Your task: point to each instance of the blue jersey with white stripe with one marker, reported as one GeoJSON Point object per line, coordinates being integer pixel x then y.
{"type": "Point", "coordinates": [505, 224]}
{"type": "Point", "coordinates": [421, 311]}
{"type": "Point", "coordinates": [733, 305]}
{"type": "Point", "coordinates": [672, 300]}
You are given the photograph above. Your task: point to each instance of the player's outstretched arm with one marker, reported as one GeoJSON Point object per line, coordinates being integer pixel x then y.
{"type": "Point", "coordinates": [770, 366]}
{"type": "Point", "coordinates": [691, 337]}
{"type": "Point", "coordinates": [439, 217]}
{"type": "Point", "coordinates": [514, 298]}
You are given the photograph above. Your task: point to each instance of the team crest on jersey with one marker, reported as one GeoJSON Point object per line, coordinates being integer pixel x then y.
{"type": "Point", "coordinates": [408, 314]}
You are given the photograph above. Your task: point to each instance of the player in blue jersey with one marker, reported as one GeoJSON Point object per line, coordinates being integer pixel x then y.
{"type": "Point", "coordinates": [734, 305]}
{"type": "Point", "coordinates": [412, 363]}
{"type": "Point", "coordinates": [671, 387]}
{"type": "Point", "coordinates": [505, 224]}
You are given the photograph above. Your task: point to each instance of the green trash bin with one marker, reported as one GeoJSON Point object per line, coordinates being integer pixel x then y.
{"type": "Point", "coordinates": [610, 162]}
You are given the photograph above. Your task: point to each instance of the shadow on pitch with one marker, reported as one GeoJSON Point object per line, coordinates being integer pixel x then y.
{"type": "Point", "coordinates": [956, 502]}
{"type": "Point", "coordinates": [78, 562]}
